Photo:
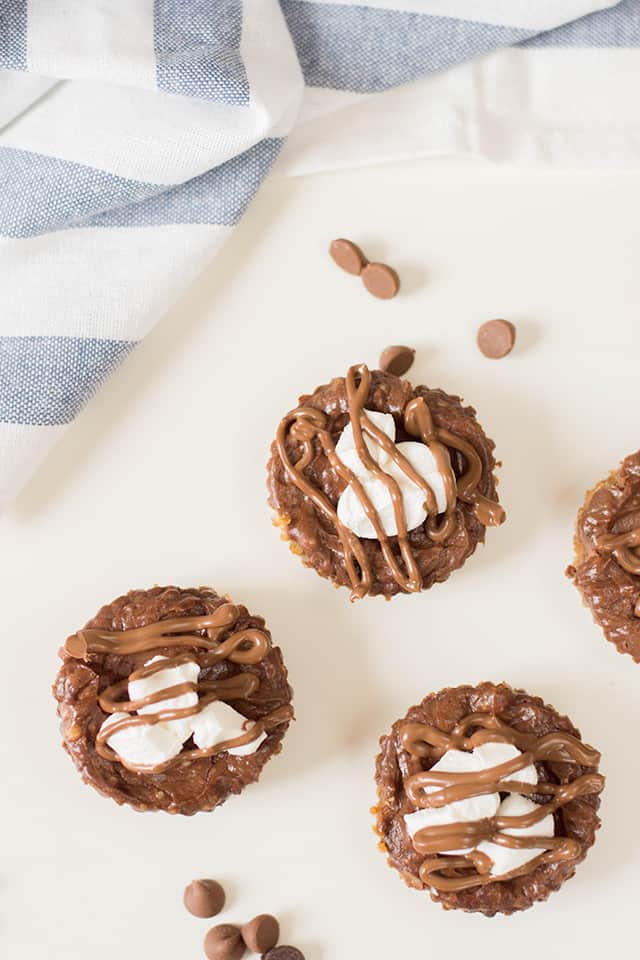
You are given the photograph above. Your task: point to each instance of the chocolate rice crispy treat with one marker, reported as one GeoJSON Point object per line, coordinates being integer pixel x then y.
{"type": "Point", "coordinates": [606, 566]}
{"type": "Point", "coordinates": [187, 785]}
{"type": "Point", "coordinates": [314, 536]}
{"type": "Point", "coordinates": [576, 821]}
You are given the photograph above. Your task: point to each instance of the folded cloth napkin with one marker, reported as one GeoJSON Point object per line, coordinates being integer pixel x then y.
{"type": "Point", "coordinates": [134, 134]}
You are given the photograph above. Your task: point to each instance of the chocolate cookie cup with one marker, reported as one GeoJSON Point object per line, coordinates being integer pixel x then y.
{"type": "Point", "coordinates": [172, 699]}
{"type": "Point", "coordinates": [487, 798]}
{"type": "Point", "coordinates": [380, 486]}
{"type": "Point", "coordinates": [606, 566]}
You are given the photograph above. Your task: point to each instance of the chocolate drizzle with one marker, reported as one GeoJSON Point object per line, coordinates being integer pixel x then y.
{"type": "Point", "coordinates": [459, 872]}
{"type": "Point", "coordinates": [624, 541]}
{"type": "Point", "coordinates": [204, 633]}
{"type": "Point", "coordinates": [306, 426]}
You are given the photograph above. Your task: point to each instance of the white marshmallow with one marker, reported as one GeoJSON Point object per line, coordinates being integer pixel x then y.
{"type": "Point", "coordinates": [346, 447]}
{"type": "Point", "coordinates": [477, 808]}
{"type": "Point", "coordinates": [423, 462]}
{"type": "Point", "coordinates": [352, 515]}
{"type": "Point", "coordinates": [504, 858]}
{"type": "Point", "coordinates": [163, 680]}
{"type": "Point", "coordinates": [143, 745]}
{"type": "Point", "coordinates": [219, 722]}
{"type": "Point", "coordinates": [461, 811]}
{"type": "Point", "coordinates": [145, 686]}
{"type": "Point", "coordinates": [494, 754]}
{"type": "Point", "coordinates": [350, 510]}
{"type": "Point", "coordinates": [153, 744]}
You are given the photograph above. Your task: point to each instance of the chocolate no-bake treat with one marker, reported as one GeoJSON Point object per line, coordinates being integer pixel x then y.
{"type": "Point", "coordinates": [172, 699]}
{"type": "Point", "coordinates": [380, 486]}
{"type": "Point", "coordinates": [606, 566]}
{"type": "Point", "coordinates": [487, 798]}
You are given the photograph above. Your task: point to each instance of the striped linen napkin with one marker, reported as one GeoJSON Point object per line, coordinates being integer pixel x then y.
{"type": "Point", "coordinates": [134, 134]}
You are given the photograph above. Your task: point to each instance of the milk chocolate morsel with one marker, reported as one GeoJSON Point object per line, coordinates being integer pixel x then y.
{"type": "Point", "coordinates": [283, 953]}
{"type": "Point", "coordinates": [204, 898]}
{"type": "Point", "coordinates": [396, 360]}
{"type": "Point", "coordinates": [348, 256]}
{"type": "Point", "coordinates": [381, 280]}
{"type": "Point", "coordinates": [261, 933]}
{"type": "Point", "coordinates": [224, 942]}
{"type": "Point", "coordinates": [496, 338]}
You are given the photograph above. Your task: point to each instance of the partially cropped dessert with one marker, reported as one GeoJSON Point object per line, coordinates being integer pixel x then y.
{"type": "Point", "coordinates": [487, 798]}
{"type": "Point", "coordinates": [172, 699]}
{"type": "Point", "coordinates": [380, 486]}
{"type": "Point", "coordinates": [606, 566]}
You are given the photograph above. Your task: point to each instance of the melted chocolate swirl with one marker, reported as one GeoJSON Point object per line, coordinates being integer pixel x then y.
{"type": "Point", "coordinates": [624, 541]}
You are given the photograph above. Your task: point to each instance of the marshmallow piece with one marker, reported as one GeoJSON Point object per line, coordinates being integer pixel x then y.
{"type": "Point", "coordinates": [350, 511]}
{"type": "Point", "coordinates": [494, 754]}
{"type": "Point", "coordinates": [163, 680]}
{"type": "Point", "coordinates": [461, 811]}
{"type": "Point", "coordinates": [145, 686]}
{"type": "Point", "coordinates": [352, 515]}
{"type": "Point", "coordinates": [219, 722]}
{"type": "Point", "coordinates": [423, 462]}
{"type": "Point", "coordinates": [346, 447]}
{"type": "Point", "coordinates": [504, 858]}
{"type": "Point", "coordinates": [143, 745]}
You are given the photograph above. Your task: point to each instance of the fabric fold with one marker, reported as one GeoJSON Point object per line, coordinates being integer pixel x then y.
{"type": "Point", "coordinates": [134, 136]}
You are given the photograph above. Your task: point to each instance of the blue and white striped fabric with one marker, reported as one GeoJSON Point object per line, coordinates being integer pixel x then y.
{"type": "Point", "coordinates": [134, 134]}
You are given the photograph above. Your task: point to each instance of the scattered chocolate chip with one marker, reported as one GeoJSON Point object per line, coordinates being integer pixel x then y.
{"type": "Point", "coordinates": [381, 280]}
{"type": "Point", "coordinates": [283, 953]}
{"type": "Point", "coordinates": [496, 338]}
{"type": "Point", "coordinates": [204, 898]}
{"type": "Point", "coordinates": [224, 942]}
{"type": "Point", "coordinates": [261, 933]}
{"type": "Point", "coordinates": [348, 256]}
{"type": "Point", "coordinates": [396, 360]}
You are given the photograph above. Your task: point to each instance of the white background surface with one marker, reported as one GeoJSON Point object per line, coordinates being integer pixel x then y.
{"type": "Point", "coordinates": [162, 480]}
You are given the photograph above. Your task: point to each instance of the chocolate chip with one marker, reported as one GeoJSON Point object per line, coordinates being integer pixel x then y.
{"type": "Point", "coordinates": [496, 338]}
{"type": "Point", "coordinates": [261, 933]}
{"type": "Point", "coordinates": [348, 256]}
{"type": "Point", "coordinates": [381, 280]}
{"type": "Point", "coordinates": [224, 942]}
{"type": "Point", "coordinates": [396, 360]}
{"type": "Point", "coordinates": [204, 898]}
{"type": "Point", "coordinates": [283, 953]}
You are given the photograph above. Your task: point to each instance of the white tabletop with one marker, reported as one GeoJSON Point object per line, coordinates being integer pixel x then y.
{"type": "Point", "coordinates": [161, 480]}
